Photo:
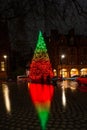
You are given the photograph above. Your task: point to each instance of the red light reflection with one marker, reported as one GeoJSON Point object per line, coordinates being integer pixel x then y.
{"type": "Point", "coordinates": [41, 95]}
{"type": "Point", "coordinates": [41, 92]}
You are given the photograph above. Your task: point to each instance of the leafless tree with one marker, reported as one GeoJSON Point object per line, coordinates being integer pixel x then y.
{"type": "Point", "coordinates": [31, 15]}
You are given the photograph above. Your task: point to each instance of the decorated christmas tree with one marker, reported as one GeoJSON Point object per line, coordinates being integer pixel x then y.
{"type": "Point", "coordinates": [40, 67]}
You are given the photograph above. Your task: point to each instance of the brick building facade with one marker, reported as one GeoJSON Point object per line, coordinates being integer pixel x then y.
{"type": "Point", "coordinates": [74, 48]}
{"type": "Point", "coordinates": [4, 51]}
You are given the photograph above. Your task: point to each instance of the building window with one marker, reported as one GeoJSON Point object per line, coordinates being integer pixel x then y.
{"type": "Point", "coordinates": [71, 41]}
{"type": "Point", "coordinates": [73, 51]}
{"type": "Point", "coordinates": [84, 71]}
{"type": "Point", "coordinates": [2, 66]}
{"type": "Point", "coordinates": [74, 71]}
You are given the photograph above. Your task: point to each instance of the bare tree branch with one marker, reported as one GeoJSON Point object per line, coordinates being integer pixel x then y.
{"type": "Point", "coordinates": [15, 9]}
{"type": "Point", "coordinates": [79, 9]}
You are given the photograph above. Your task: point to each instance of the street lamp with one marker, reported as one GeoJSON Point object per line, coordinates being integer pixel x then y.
{"type": "Point", "coordinates": [5, 58]}
{"type": "Point", "coordinates": [62, 57]}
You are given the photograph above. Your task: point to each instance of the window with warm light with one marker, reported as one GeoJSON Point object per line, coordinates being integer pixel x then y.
{"type": "Point", "coordinates": [2, 66]}
{"type": "Point", "coordinates": [84, 71]}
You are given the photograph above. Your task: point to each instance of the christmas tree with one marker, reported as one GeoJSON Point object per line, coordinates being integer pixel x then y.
{"type": "Point", "coordinates": [40, 67]}
{"type": "Point", "coordinates": [41, 70]}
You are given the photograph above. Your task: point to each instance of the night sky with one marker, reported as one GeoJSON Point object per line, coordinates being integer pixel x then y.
{"type": "Point", "coordinates": [26, 17]}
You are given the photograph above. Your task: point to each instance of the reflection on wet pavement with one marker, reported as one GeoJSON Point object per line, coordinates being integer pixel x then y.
{"type": "Point", "coordinates": [63, 96]}
{"type": "Point", "coordinates": [41, 95]}
{"type": "Point", "coordinates": [6, 97]}
{"type": "Point", "coordinates": [68, 84]}
{"type": "Point", "coordinates": [70, 116]}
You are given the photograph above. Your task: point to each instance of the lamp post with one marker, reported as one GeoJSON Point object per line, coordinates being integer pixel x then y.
{"type": "Point", "coordinates": [62, 57]}
{"type": "Point", "coordinates": [5, 59]}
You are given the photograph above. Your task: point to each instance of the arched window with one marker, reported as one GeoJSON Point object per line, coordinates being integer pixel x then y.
{"type": "Point", "coordinates": [83, 71]}
{"type": "Point", "coordinates": [74, 71]}
{"type": "Point", "coordinates": [63, 73]}
{"type": "Point", "coordinates": [2, 66]}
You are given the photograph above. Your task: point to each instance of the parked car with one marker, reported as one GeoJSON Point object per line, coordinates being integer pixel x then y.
{"type": "Point", "coordinates": [82, 81]}
{"type": "Point", "coordinates": [56, 79]}
{"type": "Point", "coordinates": [22, 78]}
{"type": "Point", "coordinates": [73, 78]}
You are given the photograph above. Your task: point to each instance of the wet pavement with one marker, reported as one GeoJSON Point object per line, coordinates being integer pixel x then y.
{"type": "Point", "coordinates": [68, 109]}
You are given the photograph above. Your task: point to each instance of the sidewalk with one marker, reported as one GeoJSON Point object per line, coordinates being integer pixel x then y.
{"type": "Point", "coordinates": [23, 115]}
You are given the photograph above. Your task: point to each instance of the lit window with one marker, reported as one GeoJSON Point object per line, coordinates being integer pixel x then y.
{"type": "Point", "coordinates": [2, 66]}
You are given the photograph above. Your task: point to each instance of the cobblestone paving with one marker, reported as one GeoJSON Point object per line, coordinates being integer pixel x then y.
{"type": "Point", "coordinates": [74, 116]}
{"type": "Point", "coordinates": [23, 115]}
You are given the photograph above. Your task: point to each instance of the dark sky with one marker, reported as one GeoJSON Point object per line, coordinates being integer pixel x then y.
{"type": "Point", "coordinates": [26, 17]}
